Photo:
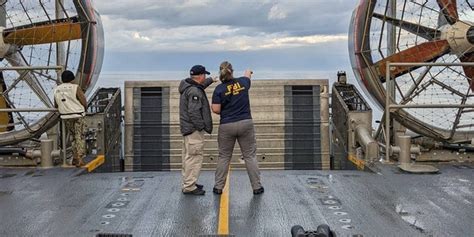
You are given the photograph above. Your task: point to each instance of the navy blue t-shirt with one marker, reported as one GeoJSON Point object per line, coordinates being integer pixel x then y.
{"type": "Point", "coordinates": [233, 96]}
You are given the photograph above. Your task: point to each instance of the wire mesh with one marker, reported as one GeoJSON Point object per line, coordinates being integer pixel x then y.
{"type": "Point", "coordinates": [20, 94]}
{"type": "Point", "coordinates": [424, 85]}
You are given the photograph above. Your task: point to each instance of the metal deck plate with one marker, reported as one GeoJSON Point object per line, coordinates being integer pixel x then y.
{"type": "Point", "coordinates": [389, 203]}
{"type": "Point", "coordinates": [418, 169]}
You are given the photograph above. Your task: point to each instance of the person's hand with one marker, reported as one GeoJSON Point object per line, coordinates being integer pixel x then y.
{"type": "Point", "coordinates": [248, 73]}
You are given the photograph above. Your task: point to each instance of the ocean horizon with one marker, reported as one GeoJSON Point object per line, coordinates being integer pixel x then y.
{"type": "Point", "coordinates": [118, 78]}
{"type": "Point", "coordinates": [113, 79]}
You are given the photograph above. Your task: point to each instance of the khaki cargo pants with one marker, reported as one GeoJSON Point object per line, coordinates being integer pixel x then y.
{"type": "Point", "coordinates": [75, 128]}
{"type": "Point", "coordinates": [192, 155]}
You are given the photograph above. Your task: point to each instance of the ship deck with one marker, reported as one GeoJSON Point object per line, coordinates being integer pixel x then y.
{"type": "Point", "coordinates": [69, 202]}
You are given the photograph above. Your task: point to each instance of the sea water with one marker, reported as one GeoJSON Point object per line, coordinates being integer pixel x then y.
{"type": "Point", "coordinates": [117, 79]}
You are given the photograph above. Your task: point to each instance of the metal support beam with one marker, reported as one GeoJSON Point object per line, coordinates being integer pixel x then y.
{"type": "Point", "coordinates": [391, 29]}
{"type": "Point", "coordinates": [64, 146]}
{"type": "Point", "coordinates": [30, 110]}
{"type": "Point", "coordinates": [388, 78]}
{"type": "Point", "coordinates": [325, 141]}
{"type": "Point", "coordinates": [60, 61]}
{"type": "Point", "coordinates": [405, 146]}
{"type": "Point", "coordinates": [429, 106]}
{"type": "Point", "coordinates": [60, 46]}
{"type": "Point", "coordinates": [46, 153]}
{"type": "Point", "coordinates": [371, 147]}
{"type": "Point", "coordinates": [19, 68]}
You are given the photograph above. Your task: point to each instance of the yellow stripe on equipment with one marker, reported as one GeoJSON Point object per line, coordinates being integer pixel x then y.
{"type": "Point", "coordinates": [98, 161]}
{"type": "Point", "coordinates": [360, 164]}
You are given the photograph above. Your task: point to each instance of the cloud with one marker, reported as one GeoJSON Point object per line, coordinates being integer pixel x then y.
{"type": "Point", "coordinates": [332, 56]}
{"type": "Point", "coordinates": [212, 25]}
{"type": "Point", "coordinates": [286, 42]}
{"type": "Point", "coordinates": [277, 13]}
{"type": "Point", "coordinates": [208, 39]}
{"type": "Point", "coordinates": [303, 17]}
{"type": "Point", "coordinates": [264, 34]}
{"type": "Point", "coordinates": [138, 36]}
{"type": "Point", "coordinates": [194, 3]}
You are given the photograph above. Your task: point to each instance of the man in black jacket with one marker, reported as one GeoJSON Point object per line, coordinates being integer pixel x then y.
{"type": "Point", "coordinates": [194, 119]}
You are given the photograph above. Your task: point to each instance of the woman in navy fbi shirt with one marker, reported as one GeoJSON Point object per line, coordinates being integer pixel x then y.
{"type": "Point", "coordinates": [231, 101]}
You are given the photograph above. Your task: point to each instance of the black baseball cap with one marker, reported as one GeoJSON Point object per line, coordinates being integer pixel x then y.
{"type": "Point", "coordinates": [198, 70]}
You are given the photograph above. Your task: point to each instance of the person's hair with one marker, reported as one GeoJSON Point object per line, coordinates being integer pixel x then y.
{"type": "Point", "coordinates": [67, 76]}
{"type": "Point", "coordinates": [226, 72]}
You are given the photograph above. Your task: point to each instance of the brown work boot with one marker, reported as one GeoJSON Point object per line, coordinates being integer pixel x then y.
{"type": "Point", "coordinates": [81, 163]}
{"type": "Point", "coordinates": [78, 162]}
{"type": "Point", "coordinates": [74, 161]}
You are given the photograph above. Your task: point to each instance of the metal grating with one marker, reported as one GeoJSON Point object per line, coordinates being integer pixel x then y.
{"type": "Point", "coordinates": [104, 120]}
{"type": "Point", "coordinates": [302, 128]}
{"type": "Point", "coordinates": [351, 97]}
{"type": "Point", "coordinates": [151, 140]}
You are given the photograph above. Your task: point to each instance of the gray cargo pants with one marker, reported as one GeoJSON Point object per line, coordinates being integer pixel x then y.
{"type": "Point", "coordinates": [244, 132]}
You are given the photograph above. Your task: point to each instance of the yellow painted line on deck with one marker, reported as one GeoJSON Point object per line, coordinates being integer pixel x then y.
{"type": "Point", "coordinates": [98, 161]}
{"type": "Point", "coordinates": [223, 225]}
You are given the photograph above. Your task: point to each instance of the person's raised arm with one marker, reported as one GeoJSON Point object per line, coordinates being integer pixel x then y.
{"type": "Point", "coordinates": [209, 81]}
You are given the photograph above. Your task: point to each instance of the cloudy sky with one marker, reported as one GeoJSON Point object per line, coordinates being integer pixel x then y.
{"type": "Point", "coordinates": [158, 35]}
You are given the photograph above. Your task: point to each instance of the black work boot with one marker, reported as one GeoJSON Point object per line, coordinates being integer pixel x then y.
{"type": "Point", "coordinates": [258, 191]}
{"type": "Point", "coordinates": [196, 191]}
{"type": "Point", "coordinates": [217, 191]}
{"type": "Point", "coordinates": [80, 163]}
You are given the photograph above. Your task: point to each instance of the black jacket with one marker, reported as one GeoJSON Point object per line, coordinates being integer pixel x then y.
{"type": "Point", "coordinates": [194, 110]}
